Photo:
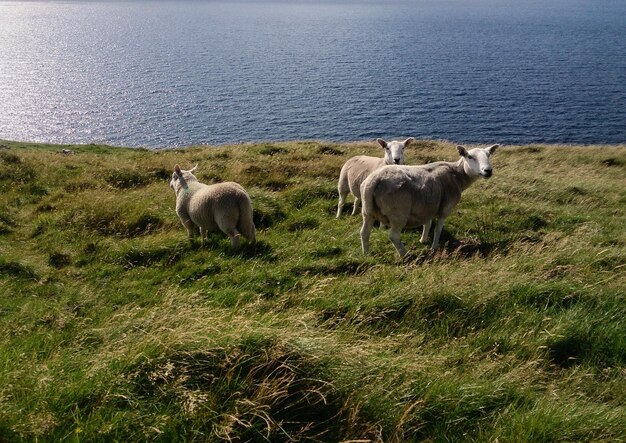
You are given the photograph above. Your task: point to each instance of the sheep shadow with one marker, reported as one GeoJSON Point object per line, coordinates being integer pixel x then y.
{"type": "Point", "coordinates": [342, 267]}
{"type": "Point", "coordinates": [246, 250]}
{"type": "Point", "coordinates": [473, 248]}
{"type": "Point", "coordinates": [451, 246]}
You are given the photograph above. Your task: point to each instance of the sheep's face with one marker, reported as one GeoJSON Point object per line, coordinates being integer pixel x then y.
{"type": "Point", "coordinates": [477, 161]}
{"type": "Point", "coordinates": [394, 150]}
{"type": "Point", "coordinates": [180, 178]}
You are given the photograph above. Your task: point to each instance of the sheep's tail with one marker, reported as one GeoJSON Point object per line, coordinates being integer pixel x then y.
{"type": "Point", "coordinates": [246, 224]}
{"type": "Point", "coordinates": [342, 185]}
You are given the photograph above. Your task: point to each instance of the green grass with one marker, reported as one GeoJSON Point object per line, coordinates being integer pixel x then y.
{"type": "Point", "coordinates": [114, 327]}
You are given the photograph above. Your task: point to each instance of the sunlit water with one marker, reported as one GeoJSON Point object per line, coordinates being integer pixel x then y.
{"type": "Point", "coordinates": [172, 73]}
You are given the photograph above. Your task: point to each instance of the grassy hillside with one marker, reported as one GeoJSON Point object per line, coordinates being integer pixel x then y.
{"type": "Point", "coordinates": [113, 326]}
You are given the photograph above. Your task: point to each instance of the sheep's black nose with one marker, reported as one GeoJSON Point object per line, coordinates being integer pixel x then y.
{"type": "Point", "coordinates": [488, 172]}
{"type": "Point", "coordinates": [396, 161]}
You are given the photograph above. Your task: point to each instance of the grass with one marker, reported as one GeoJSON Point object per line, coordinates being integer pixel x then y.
{"type": "Point", "coordinates": [113, 326]}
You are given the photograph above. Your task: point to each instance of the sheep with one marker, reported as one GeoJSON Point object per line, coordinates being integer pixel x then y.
{"type": "Point", "coordinates": [409, 196]}
{"type": "Point", "coordinates": [356, 170]}
{"type": "Point", "coordinates": [224, 206]}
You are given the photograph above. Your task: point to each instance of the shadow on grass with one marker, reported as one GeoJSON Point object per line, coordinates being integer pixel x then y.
{"type": "Point", "coordinates": [109, 222]}
{"type": "Point", "coordinates": [552, 296]}
{"type": "Point", "coordinates": [347, 267]}
{"type": "Point", "coordinates": [16, 269]}
{"type": "Point", "coordinates": [59, 260]}
{"type": "Point", "coordinates": [596, 346]}
{"type": "Point", "coordinates": [194, 275]}
{"type": "Point", "coordinates": [377, 319]}
{"type": "Point", "coordinates": [453, 248]}
{"type": "Point", "coordinates": [305, 223]}
{"type": "Point", "coordinates": [129, 179]}
{"type": "Point", "coordinates": [146, 257]}
{"type": "Point", "coordinates": [438, 315]}
{"type": "Point", "coordinates": [6, 223]}
{"type": "Point", "coordinates": [327, 252]}
{"type": "Point", "coordinates": [219, 243]}
{"type": "Point", "coordinates": [254, 391]}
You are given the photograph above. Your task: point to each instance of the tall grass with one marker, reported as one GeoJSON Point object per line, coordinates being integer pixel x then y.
{"type": "Point", "coordinates": [114, 326]}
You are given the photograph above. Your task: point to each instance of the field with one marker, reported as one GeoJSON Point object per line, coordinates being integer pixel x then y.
{"type": "Point", "coordinates": [115, 327]}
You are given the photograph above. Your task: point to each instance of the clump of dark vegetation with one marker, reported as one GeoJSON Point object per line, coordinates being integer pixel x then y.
{"type": "Point", "coordinates": [329, 150]}
{"type": "Point", "coordinates": [331, 251]}
{"type": "Point", "coordinates": [7, 223]}
{"type": "Point", "coordinates": [599, 346]}
{"type": "Point", "coordinates": [531, 149]}
{"type": "Point", "coordinates": [160, 174]}
{"type": "Point", "coordinates": [547, 296]}
{"type": "Point", "coordinates": [196, 274]}
{"type": "Point", "coordinates": [124, 179]}
{"type": "Point", "coordinates": [347, 267]}
{"type": "Point", "coordinates": [306, 223]}
{"type": "Point", "coordinates": [112, 222]}
{"type": "Point", "coordinates": [145, 257]}
{"type": "Point", "coordinates": [9, 158]}
{"type": "Point", "coordinates": [79, 186]}
{"type": "Point", "coordinates": [303, 196]}
{"type": "Point", "coordinates": [15, 171]}
{"type": "Point", "coordinates": [272, 150]}
{"type": "Point", "coordinates": [16, 269]}
{"type": "Point", "coordinates": [59, 260]}
{"type": "Point", "coordinates": [612, 162]}
{"type": "Point", "coordinates": [266, 211]}
{"type": "Point", "coordinates": [276, 398]}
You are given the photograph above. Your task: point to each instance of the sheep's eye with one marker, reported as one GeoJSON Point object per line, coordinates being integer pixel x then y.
{"type": "Point", "coordinates": [469, 157]}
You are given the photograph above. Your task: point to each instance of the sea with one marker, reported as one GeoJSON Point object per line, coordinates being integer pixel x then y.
{"type": "Point", "coordinates": [165, 73]}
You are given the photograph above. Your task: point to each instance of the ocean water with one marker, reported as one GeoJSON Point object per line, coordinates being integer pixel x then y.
{"type": "Point", "coordinates": [172, 73]}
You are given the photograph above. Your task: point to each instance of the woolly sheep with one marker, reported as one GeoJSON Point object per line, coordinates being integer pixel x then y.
{"type": "Point", "coordinates": [224, 206]}
{"type": "Point", "coordinates": [409, 196]}
{"type": "Point", "coordinates": [356, 170]}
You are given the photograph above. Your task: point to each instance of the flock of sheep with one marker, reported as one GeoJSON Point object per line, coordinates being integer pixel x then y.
{"type": "Point", "coordinates": [391, 193]}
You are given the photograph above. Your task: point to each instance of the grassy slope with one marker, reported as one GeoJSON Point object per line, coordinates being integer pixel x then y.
{"type": "Point", "coordinates": [114, 326]}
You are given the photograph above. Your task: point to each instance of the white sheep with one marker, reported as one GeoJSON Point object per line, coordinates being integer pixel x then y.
{"type": "Point", "coordinates": [410, 196]}
{"type": "Point", "coordinates": [224, 206]}
{"type": "Point", "coordinates": [356, 170]}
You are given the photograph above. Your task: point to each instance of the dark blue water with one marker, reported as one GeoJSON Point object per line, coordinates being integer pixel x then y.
{"type": "Point", "coordinates": [171, 73]}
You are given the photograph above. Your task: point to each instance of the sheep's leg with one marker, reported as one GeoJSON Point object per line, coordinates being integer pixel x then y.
{"type": "Point", "coordinates": [203, 235]}
{"type": "Point", "coordinates": [355, 208]}
{"type": "Point", "coordinates": [228, 225]}
{"type": "Point", "coordinates": [424, 237]}
{"type": "Point", "coordinates": [366, 230]}
{"type": "Point", "coordinates": [342, 201]}
{"type": "Point", "coordinates": [234, 239]}
{"type": "Point", "coordinates": [233, 234]}
{"type": "Point", "coordinates": [437, 233]}
{"type": "Point", "coordinates": [192, 230]}
{"type": "Point", "coordinates": [394, 236]}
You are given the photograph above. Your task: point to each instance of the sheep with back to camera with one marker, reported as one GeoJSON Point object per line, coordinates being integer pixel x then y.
{"type": "Point", "coordinates": [410, 196]}
{"type": "Point", "coordinates": [222, 206]}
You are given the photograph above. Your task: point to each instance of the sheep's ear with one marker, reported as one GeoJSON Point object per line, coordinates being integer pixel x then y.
{"type": "Point", "coordinates": [408, 141]}
{"type": "Point", "coordinates": [177, 170]}
{"type": "Point", "coordinates": [462, 151]}
{"type": "Point", "coordinates": [492, 149]}
{"type": "Point", "coordinates": [381, 142]}
{"type": "Point", "coordinates": [193, 169]}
